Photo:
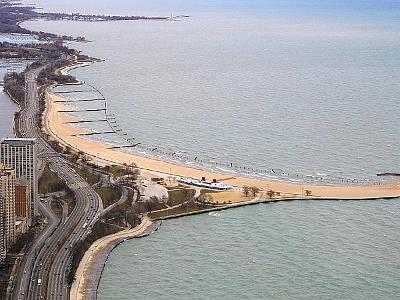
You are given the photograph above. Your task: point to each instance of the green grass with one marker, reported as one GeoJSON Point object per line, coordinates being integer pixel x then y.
{"type": "Point", "coordinates": [89, 176]}
{"type": "Point", "coordinates": [49, 182]}
{"type": "Point", "coordinates": [176, 197]}
{"type": "Point", "coordinates": [109, 195]}
{"type": "Point", "coordinates": [187, 208]}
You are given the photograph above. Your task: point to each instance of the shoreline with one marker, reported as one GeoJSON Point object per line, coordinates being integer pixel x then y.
{"type": "Point", "coordinates": [93, 262]}
{"type": "Point", "coordinates": [90, 268]}
{"type": "Point", "coordinates": [260, 201]}
{"type": "Point", "coordinates": [100, 152]}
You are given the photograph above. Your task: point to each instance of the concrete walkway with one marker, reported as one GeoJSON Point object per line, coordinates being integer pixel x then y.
{"type": "Point", "coordinates": [124, 197]}
{"type": "Point", "coordinates": [91, 266]}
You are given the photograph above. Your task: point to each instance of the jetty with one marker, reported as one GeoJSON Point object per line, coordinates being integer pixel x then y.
{"type": "Point", "coordinates": [79, 100]}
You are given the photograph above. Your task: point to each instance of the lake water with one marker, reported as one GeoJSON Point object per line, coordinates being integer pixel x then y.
{"type": "Point", "coordinates": [293, 85]}
{"type": "Point", "coordinates": [303, 86]}
{"type": "Point", "coordinates": [7, 106]}
{"type": "Point", "coordinates": [297, 250]}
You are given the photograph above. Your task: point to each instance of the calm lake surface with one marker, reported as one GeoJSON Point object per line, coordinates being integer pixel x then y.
{"type": "Point", "coordinates": [289, 85]}
{"type": "Point", "coordinates": [7, 106]}
{"type": "Point", "coordinates": [298, 250]}
{"type": "Point", "coordinates": [302, 86]}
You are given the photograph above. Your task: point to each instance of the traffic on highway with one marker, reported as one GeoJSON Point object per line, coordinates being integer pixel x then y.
{"type": "Point", "coordinates": [43, 270]}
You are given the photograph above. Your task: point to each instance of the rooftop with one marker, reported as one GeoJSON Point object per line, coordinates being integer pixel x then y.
{"type": "Point", "coordinates": [18, 142]}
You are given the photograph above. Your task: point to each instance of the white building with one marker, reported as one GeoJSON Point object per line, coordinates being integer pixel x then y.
{"type": "Point", "coordinates": [20, 154]}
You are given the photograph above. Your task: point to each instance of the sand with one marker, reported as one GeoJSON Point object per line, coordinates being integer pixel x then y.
{"type": "Point", "coordinates": [233, 196]}
{"type": "Point", "coordinates": [65, 133]}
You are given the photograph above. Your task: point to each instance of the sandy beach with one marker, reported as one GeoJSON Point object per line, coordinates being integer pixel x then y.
{"type": "Point", "coordinates": [55, 125]}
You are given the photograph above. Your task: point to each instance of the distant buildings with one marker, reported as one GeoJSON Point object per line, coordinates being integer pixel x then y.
{"type": "Point", "coordinates": [20, 154]}
{"type": "Point", "coordinates": [7, 209]}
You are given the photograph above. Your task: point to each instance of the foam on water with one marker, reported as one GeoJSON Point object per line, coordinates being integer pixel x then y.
{"type": "Point", "coordinates": [289, 89]}
{"type": "Point", "coordinates": [298, 86]}
{"type": "Point", "coordinates": [296, 250]}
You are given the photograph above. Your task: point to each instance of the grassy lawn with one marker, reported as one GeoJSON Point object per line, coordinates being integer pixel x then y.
{"type": "Point", "coordinates": [179, 196]}
{"type": "Point", "coordinates": [186, 208]}
{"type": "Point", "coordinates": [89, 176]}
{"type": "Point", "coordinates": [56, 208]}
{"type": "Point", "coordinates": [225, 197]}
{"type": "Point", "coordinates": [49, 182]}
{"type": "Point", "coordinates": [109, 195]}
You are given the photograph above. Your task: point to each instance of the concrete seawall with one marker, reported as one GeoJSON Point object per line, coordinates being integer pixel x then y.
{"type": "Point", "coordinates": [91, 267]}
{"type": "Point", "coordinates": [266, 201]}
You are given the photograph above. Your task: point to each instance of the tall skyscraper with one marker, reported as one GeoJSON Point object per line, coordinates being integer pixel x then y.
{"type": "Point", "coordinates": [20, 154]}
{"type": "Point", "coordinates": [7, 203]}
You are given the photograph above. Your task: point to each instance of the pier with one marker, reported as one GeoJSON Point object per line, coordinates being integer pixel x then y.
{"type": "Point", "coordinates": [82, 110]}
{"type": "Point", "coordinates": [74, 91]}
{"type": "Point", "coordinates": [124, 146]}
{"type": "Point", "coordinates": [80, 100]}
{"type": "Point", "coordinates": [86, 121]}
{"type": "Point", "coordinates": [94, 133]}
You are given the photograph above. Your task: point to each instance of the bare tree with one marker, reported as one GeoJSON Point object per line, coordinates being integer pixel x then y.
{"type": "Point", "coordinates": [246, 191]}
{"type": "Point", "coordinates": [254, 190]}
{"type": "Point", "coordinates": [152, 203]}
{"type": "Point", "coordinates": [131, 169]}
{"type": "Point", "coordinates": [270, 194]}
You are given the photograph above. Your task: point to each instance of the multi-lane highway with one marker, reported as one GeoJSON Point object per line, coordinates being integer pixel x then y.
{"type": "Point", "coordinates": [43, 272]}
{"type": "Point", "coordinates": [23, 275]}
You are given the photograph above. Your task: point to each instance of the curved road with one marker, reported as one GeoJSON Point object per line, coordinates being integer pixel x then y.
{"type": "Point", "coordinates": [49, 257]}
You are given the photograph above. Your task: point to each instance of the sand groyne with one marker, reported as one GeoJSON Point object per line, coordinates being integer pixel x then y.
{"type": "Point", "coordinates": [56, 124]}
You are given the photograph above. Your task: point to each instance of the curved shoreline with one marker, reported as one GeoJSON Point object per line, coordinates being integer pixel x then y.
{"type": "Point", "coordinates": [93, 262]}
{"type": "Point", "coordinates": [55, 125]}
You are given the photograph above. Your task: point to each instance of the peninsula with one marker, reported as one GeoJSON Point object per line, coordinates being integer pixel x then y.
{"type": "Point", "coordinates": [118, 195]}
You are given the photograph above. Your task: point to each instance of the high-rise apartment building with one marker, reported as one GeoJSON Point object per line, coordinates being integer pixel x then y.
{"type": "Point", "coordinates": [22, 198]}
{"type": "Point", "coordinates": [7, 209]}
{"type": "Point", "coordinates": [20, 154]}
